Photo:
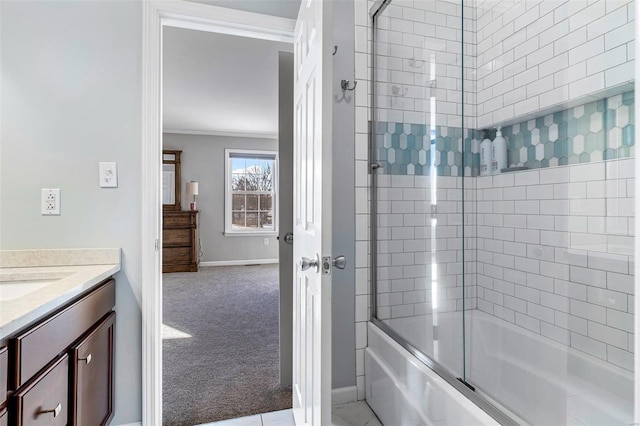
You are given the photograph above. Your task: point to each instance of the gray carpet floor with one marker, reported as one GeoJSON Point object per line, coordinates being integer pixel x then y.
{"type": "Point", "coordinates": [230, 366]}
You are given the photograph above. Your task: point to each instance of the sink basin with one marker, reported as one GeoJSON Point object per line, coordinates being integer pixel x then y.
{"type": "Point", "coordinates": [11, 290]}
{"type": "Point", "coordinates": [17, 284]}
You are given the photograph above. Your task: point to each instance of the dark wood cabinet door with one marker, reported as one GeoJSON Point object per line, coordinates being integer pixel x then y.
{"type": "Point", "coordinates": [4, 374]}
{"type": "Point", "coordinates": [92, 376]}
{"type": "Point", "coordinates": [44, 400]}
{"type": "Point", "coordinates": [36, 346]}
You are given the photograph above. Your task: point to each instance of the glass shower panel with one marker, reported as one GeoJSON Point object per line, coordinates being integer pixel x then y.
{"type": "Point", "coordinates": [551, 340]}
{"type": "Point", "coordinates": [418, 142]}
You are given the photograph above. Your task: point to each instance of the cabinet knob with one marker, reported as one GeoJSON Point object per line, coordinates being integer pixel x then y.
{"type": "Point", "coordinates": [55, 411]}
{"type": "Point", "coordinates": [87, 359]}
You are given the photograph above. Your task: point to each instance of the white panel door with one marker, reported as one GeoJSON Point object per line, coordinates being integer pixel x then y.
{"type": "Point", "coordinates": [312, 214]}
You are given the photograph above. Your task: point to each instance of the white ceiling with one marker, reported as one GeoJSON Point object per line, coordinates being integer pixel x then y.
{"type": "Point", "coordinates": [216, 83]}
{"type": "Point", "coordinates": [283, 8]}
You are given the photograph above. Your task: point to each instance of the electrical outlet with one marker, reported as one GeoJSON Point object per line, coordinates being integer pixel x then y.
{"type": "Point", "coordinates": [266, 241]}
{"type": "Point", "coordinates": [50, 201]}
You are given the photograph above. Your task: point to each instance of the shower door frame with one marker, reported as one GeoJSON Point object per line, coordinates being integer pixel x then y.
{"type": "Point", "coordinates": [458, 383]}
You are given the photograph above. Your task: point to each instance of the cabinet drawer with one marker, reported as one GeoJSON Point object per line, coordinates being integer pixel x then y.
{"type": "Point", "coordinates": [176, 255]}
{"type": "Point", "coordinates": [4, 367]}
{"type": "Point", "coordinates": [36, 346]}
{"type": "Point", "coordinates": [177, 220]}
{"type": "Point", "coordinates": [44, 401]}
{"type": "Point", "coordinates": [4, 418]}
{"type": "Point", "coordinates": [176, 237]}
{"type": "Point", "coordinates": [91, 376]}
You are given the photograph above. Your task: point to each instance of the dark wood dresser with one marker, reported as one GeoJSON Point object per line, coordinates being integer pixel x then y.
{"type": "Point", "coordinates": [180, 244]}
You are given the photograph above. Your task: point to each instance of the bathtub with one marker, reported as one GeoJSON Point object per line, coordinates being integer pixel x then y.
{"type": "Point", "coordinates": [533, 379]}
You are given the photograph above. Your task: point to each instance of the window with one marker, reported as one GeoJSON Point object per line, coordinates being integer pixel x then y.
{"type": "Point", "coordinates": [251, 189]}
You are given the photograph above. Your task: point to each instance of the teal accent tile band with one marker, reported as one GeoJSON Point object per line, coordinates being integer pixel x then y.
{"type": "Point", "coordinates": [596, 131]}
{"type": "Point", "coordinates": [413, 149]}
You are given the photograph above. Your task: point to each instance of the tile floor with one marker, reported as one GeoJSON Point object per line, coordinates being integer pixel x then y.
{"type": "Point", "coordinates": [354, 414]}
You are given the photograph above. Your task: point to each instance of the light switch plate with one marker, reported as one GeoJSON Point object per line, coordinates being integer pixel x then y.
{"type": "Point", "coordinates": [108, 175]}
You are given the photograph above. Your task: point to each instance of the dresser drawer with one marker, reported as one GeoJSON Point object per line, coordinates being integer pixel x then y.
{"type": "Point", "coordinates": [39, 344]}
{"type": "Point", "coordinates": [177, 220]}
{"type": "Point", "coordinates": [4, 367]}
{"type": "Point", "coordinates": [176, 237]}
{"type": "Point", "coordinates": [45, 400]}
{"type": "Point", "coordinates": [176, 255]}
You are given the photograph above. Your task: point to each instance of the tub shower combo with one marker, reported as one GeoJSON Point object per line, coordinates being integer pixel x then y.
{"type": "Point", "coordinates": [513, 284]}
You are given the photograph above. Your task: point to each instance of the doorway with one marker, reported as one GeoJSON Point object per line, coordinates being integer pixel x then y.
{"type": "Point", "coordinates": [221, 320]}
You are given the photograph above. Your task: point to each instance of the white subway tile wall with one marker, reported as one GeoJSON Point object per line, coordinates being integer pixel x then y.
{"type": "Point", "coordinates": [567, 271]}
{"type": "Point", "coordinates": [420, 247]}
{"type": "Point", "coordinates": [543, 54]}
{"type": "Point", "coordinates": [419, 54]}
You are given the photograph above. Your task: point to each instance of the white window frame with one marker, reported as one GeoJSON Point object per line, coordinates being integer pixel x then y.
{"type": "Point", "coordinates": [228, 228]}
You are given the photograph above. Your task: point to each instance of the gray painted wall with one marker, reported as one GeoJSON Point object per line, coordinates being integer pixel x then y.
{"type": "Point", "coordinates": [203, 161]}
{"type": "Point", "coordinates": [71, 90]}
{"type": "Point", "coordinates": [343, 292]}
{"type": "Point", "coordinates": [285, 153]}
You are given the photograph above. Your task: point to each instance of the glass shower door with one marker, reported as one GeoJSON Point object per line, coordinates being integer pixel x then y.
{"type": "Point", "coordinates": [417, 152]}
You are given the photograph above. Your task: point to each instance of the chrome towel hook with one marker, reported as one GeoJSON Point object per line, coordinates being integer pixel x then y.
{"type": "Point", "coordinates": [335, 50]}
{"type": "Point", "coordinates": [344, 84]}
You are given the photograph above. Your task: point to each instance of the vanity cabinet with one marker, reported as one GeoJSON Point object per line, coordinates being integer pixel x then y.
{"type": "Point", "coordinates": [61, 366]}
{"type": "Point", "coordinates": [92, 376]}
{"type": "Point", "coordinates": [180, 244]}
{"type": "Point", "coordinates": [4, 377]}
{"type": "Point", "coordinates": [4, 367]}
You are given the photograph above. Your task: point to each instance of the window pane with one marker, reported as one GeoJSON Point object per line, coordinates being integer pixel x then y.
{"type": "Point", "coordinates": [238, 182]}
{"type": "Point", "coordinates": [259, 174]}
{"type": "Point", "coordinates": [237, 220]}
{"type": "Point", "coordinates": [252, 220]}
{"type": "Point", "coordinates": [238, 165]}
{"type": "Point", "coordinates": [266, 220]}
{"type": "Point", "coordinates": [238, 202]}
{"type": "Point", "coordinates": [265, 169]}
{"type": "Point", "coordinates": [252, 202]}
{"type": "Point", "coordinates": [252, 185]}
{"type": "Point", "coordinates": [266, 202]}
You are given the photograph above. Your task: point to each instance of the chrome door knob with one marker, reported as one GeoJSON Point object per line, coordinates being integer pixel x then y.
{"type": "Point", "coordinates": [306, 263]}
{"type": "Point", "coordinates": [288, 238]}
{"type": "Point", "coordinates": [339, 262]}
{"type": "Point", "coordinates": [327, 263]}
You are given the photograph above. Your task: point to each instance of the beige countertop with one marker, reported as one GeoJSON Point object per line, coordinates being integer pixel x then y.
{"type": "Point", "coordinates": [36, 282]}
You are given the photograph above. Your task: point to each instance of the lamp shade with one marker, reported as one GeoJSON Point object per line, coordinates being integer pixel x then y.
{"type": "Point", "coordinates": [192, 188]}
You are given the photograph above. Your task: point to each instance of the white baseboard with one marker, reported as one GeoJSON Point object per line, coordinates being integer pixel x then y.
{"type": "Point", "coordinates": [239, 262]}
{"type": "Point", "coordinates": [344, 395]}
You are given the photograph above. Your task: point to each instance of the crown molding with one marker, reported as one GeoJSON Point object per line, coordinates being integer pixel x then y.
{"type": "Point", "coordinates": [222, 133]}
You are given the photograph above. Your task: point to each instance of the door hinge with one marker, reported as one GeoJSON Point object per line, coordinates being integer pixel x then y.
{"type": "Point", "coordinates": [157, 245]}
